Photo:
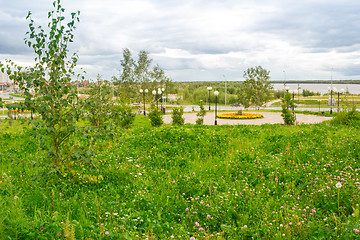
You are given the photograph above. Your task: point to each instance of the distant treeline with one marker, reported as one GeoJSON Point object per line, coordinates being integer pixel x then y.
{"type": "Point", "coordinates": [319, 81]}
{"type": "Point", "coordinates": [282, 81]}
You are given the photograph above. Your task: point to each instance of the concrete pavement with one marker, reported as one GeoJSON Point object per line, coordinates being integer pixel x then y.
{"type": "Point", "coordinates": [269, 118]}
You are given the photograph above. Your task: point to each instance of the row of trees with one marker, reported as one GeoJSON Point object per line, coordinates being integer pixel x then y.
{"type": "Point", "coordinates": [254, 91]}
{"type": "Point", "coordinates": [138, 74]}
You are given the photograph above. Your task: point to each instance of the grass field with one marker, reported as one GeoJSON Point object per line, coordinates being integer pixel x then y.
{"type": "Point", "coordinates": [190, 182]}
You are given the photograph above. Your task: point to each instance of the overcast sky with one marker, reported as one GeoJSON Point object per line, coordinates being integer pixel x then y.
{"type": "Point", "coordinates": [202, 39]}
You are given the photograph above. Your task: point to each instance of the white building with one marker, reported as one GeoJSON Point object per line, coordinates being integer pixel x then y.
{"type": "Point", "coordinates": [5, 81]}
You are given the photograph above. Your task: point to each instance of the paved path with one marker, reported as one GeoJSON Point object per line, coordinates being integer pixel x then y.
{"type": "Point", "coordinates": [269, 117]}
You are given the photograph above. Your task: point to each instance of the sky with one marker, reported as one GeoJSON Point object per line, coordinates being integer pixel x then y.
{"type": "Point", "coordinates": [206, 40]}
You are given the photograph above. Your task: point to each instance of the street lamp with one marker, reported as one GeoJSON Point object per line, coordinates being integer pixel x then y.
{"type": "Point", "coordinates": [154, 93]}
{"type": "Point", "coordinates": [319, 100]}
{"type": "Point", "coordinates": [216, 93]}
{"type": "Point", "coordinates": [159, 92]}
{"type": "Point", "coordinates": [285, 88]}
{"type": "Point", "coordinates": [163, 90]}
{"type": "Point", "coordinates": [331, 91]}
{"type": "Point", "coordinates": [143, 92]}
{"type": "Point", "coordinates": [293, 92]}
{"type": "Point", "coordinates": [225, 88]}
{"type": "Point", "coordinates": [341, 91]}
{"type": "Point", "coordinates": [209, 89]}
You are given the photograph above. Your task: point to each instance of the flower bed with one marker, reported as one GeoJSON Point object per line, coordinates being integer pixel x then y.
{"type": "Point", "coordinates": [239, 116]}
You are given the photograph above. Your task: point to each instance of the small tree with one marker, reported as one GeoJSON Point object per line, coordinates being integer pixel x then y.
{"type": "Point", "coordinates": [155, 116]}
{"type": "Point", "coordinates": [177, 116]}
{"type": "Point", "coordinates": [47, 85]}
{"type": "Point", "coordinates": [201, 114]}
{"type": "Point", "coordinates": [99, 104]}
{"type": "Point", "coordinates": [287, 103]}
{"type": "Point", "coordinates": [256, 90]}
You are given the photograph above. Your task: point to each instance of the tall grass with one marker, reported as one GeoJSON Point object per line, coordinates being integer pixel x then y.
{"type": "Point", "coordinates": [206, 182]}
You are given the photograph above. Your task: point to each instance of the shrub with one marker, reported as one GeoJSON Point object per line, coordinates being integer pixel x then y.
{"type": "Point", "coordinates": [177, 116]}
{"type": "Point", "coordinates": [307, 93]}
{"type": "Point", "coordinates": [287, 103]}
{"type": "Point", "coordinates": [347, 117]}
{"type": "Point", "coordinates": [124, 115]}
{"type": "Point", "coordinates": [155, 116]}
{"type": "Point", "coordinates": [200, 115]}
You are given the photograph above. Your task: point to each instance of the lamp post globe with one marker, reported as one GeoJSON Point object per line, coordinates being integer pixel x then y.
{"type": "Point", "coordinates": [143, 92]}
{"type": "Point", "coordinates": [216, 93]}
{"type": "Point", "coordinates": [331, 104]}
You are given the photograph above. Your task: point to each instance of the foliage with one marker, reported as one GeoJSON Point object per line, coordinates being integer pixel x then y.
{"type": "Point", "coordinates": [123, 115]}
{"type": "Point", "coordinates": [256, 88]}
{"type": "Point", "coordinates": [177, 116]}
{"type": "Point", "coordinates": [47, 85]}
{"type": "Point", "coordinates": [201, 114]}
{"type": "Point", "coordinates": [347, 117]}
{"type": "Point", "coordinates": [137, 75]}
{"type": "Point", "coordinates": [99, 105]}
{"type": "Point", "coordinates": [230, 182]}
{"type": "Point", "coordinates": [286, 104]}
{"type": "Point", "coordinates": [307, 93]}
{"type": "Point", "coordinates": [155, 116]}
{"type": "Point", "coordinates": [278, 93]}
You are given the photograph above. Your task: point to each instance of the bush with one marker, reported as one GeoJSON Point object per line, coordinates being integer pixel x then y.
{"type": "Point", "coordinates": [200, 115]}
{"type": "Point", "coordinates": [307, 93]}
{"type": "Point", "coordinates": [347, 117]}
{"type": "Point", "coordinates": [155, 116]}
{"type": "Point", "coordinates": [124, 115]}
{"type": "Point", "coordinates": [279, 94]}
{"type": "Point", "coordinates": [177, 116]}
{"type": "Point", "coordinates": [287, 103]}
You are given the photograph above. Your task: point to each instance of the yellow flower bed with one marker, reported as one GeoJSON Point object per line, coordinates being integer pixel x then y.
{"type": "Point", "coordinates": [25, 111]}
{"type": "Point", "coordinates": [237, 116]}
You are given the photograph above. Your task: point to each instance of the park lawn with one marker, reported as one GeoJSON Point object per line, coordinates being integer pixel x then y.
{"type": "Point", "coordinates": [206, 182]}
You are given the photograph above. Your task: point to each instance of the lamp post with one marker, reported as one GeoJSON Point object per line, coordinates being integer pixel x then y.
{"type": "Point", "coordinates": [331, 91]}
{"type": "Point", "coordinates": [341, 91]}
{"type": "Point", "coordinates": [162, 99]}
{"type": "Point", "coordinates": [285, 83]}
{"type": "Point", "coordinates": [154, 93]}
{"type": "Point", "coordinates": [216, 93]}
{"type": "Point", "coordinates": [335, 91]}
{"type": "Point", "coordinates": [293, 92]}
{"type": "Point", "coordinates": [160, 94]}
{"type": "Point", "coordinates": [225, 88]}
{"type": "Point", "coordinates": [209, 89]}
{"type": "Point", "coordinates": [319, 104]}
{"type": "Point", "coordinates": [143, 92]}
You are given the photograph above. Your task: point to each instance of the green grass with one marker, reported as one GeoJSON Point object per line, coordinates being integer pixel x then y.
{"type": "Point", "coordinates": [207, 182]}
{"type": "Point", "coordinates": [16, 95]}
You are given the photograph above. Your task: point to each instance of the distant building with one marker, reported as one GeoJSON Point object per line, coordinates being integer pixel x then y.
{"type": "Point", "coordinates": [173, 97]}
{"type": "Point", "coordinates": [5, 81]}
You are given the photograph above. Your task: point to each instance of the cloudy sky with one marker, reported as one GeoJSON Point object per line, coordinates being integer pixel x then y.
{"type": "Point", "coordinates": [202, 39]}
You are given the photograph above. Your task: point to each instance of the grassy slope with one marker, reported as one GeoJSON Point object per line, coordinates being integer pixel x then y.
{"type": "Point", "coordinates": [267, 181]}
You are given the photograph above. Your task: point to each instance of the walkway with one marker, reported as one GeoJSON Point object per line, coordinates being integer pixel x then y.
{"type": "Point", "coordinates": [269, 117]}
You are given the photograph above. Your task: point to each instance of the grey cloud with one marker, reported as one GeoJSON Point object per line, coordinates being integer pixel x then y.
{"type": "Point", "coordinates": [327, 25]}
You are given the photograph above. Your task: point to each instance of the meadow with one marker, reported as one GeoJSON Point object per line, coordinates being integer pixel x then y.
{"type": "Point", "coordinates": [187, 182]}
